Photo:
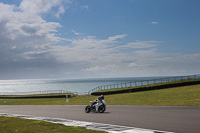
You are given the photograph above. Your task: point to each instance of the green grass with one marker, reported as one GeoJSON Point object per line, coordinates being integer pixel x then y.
{"type": "Point", "coordinates": [18, 125]}
{"type": "Point", "coordinates": [177, 96]}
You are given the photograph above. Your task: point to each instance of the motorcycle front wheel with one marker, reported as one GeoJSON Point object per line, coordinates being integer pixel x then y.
{"type": "Point", "coordinates": [101, 109]}
{"type": "Point", "coordinates": [87, 109]}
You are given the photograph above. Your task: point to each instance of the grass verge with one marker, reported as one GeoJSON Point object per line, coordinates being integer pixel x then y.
{"type": "Point", "coordinates": [18, 125]}
{"type": "Point", "coordinates": [177, 96]}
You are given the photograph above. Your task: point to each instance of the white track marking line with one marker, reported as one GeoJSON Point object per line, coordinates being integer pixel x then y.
{"type": "Point", "coordinates": [88, 125]}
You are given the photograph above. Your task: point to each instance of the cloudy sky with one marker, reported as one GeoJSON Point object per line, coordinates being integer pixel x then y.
{"type": "Point", "coordinates": [98, 38]}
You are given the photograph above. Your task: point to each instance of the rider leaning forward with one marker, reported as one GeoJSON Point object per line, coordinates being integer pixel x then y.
{"type": "Point", "coordinates": [98, 102]}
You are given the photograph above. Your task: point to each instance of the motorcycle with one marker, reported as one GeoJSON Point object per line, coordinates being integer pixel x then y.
{"type": "Point", "coordinates": [92, 107]}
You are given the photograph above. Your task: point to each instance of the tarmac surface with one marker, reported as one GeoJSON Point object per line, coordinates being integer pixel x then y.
{"type": "Point", "coordinates": [164, 118]}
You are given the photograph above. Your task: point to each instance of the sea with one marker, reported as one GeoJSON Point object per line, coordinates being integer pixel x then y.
{"type": "Point", "coordinates": [42, 86]}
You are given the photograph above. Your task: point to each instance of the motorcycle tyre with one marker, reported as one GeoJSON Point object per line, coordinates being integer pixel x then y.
{"type": "Point", "coordinates": [101, 109]}
{"type": "Point", "coordinates": [87, 109]}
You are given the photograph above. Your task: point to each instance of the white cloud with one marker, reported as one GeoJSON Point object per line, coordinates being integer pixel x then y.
{"type": "Point", "coordinates": [105, 57]}
{"type": "Point", "coordinates": [100, 68]}
{"type": "Point", "coordinates": [116, 37]}
{"type": "Point", "coordinates": [23, 23]}
{"type": "Point", "coordinates": [141, 44]}
{"type": "Point", "coordinates": [88, 49]}
{"type": "Point", "coordinates": [61, 10]}
{"type": "Point", "coordinates": [36, 7]}
{"type": "Point", "coordinates": [76, 33]}
{"type": "Point", "coordinates": [85, 7]}
{"type": "Point", "coordinates": [154, 22]}
{"type": "Point", "coordinates": [25, 36]}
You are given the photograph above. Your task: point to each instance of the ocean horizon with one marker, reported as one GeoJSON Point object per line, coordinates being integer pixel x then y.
{"type": "Point", "coordinates": [78, 86]}
{"type": "Point", "coordinates": [20, 86]}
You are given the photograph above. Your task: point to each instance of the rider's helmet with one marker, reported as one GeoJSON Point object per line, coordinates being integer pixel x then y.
{"type": "Point", "coordinates": [102, 96]}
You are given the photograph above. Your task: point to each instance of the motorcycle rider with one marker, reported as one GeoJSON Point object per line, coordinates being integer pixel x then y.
{"type": "Point", "coordinates": [98, 102]}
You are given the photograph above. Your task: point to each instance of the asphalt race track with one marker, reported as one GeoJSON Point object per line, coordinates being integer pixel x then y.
{"type": "Point", "coordinates": [164, 118]}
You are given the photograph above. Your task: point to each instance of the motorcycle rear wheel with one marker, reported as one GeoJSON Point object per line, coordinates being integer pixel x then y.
{"type": "Point", "coordinates": [87, 109]}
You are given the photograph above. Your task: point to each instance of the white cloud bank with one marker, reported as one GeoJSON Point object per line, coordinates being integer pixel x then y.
{"type": "Point", "coordinates": [25, 37]}
{"type": "Point", "coordinates": [111, 57]}
{"type": "Point", "coordinates": [27, 49]}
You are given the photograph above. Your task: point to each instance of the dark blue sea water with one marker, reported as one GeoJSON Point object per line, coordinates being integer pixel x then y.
{"type": "Point", "coordinates": [71, 85]}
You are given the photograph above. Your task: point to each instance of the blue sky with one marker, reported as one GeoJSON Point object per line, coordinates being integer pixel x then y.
{"type": "Point", "coordinates": [99, 38]}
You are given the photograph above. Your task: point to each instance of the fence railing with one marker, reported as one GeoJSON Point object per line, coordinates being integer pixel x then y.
{"type": "Point", "coordinates": [38, 92]}
{"type": "Point", "coordinates": [144, 82]}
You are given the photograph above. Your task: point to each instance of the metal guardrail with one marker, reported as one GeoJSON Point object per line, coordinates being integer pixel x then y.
{"type": "Point", "coordinates": [44, 92]}
{"type": "Point", "coordinates": [38, 92]}
{"type": "Point", "coordinates": [144, 82]}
